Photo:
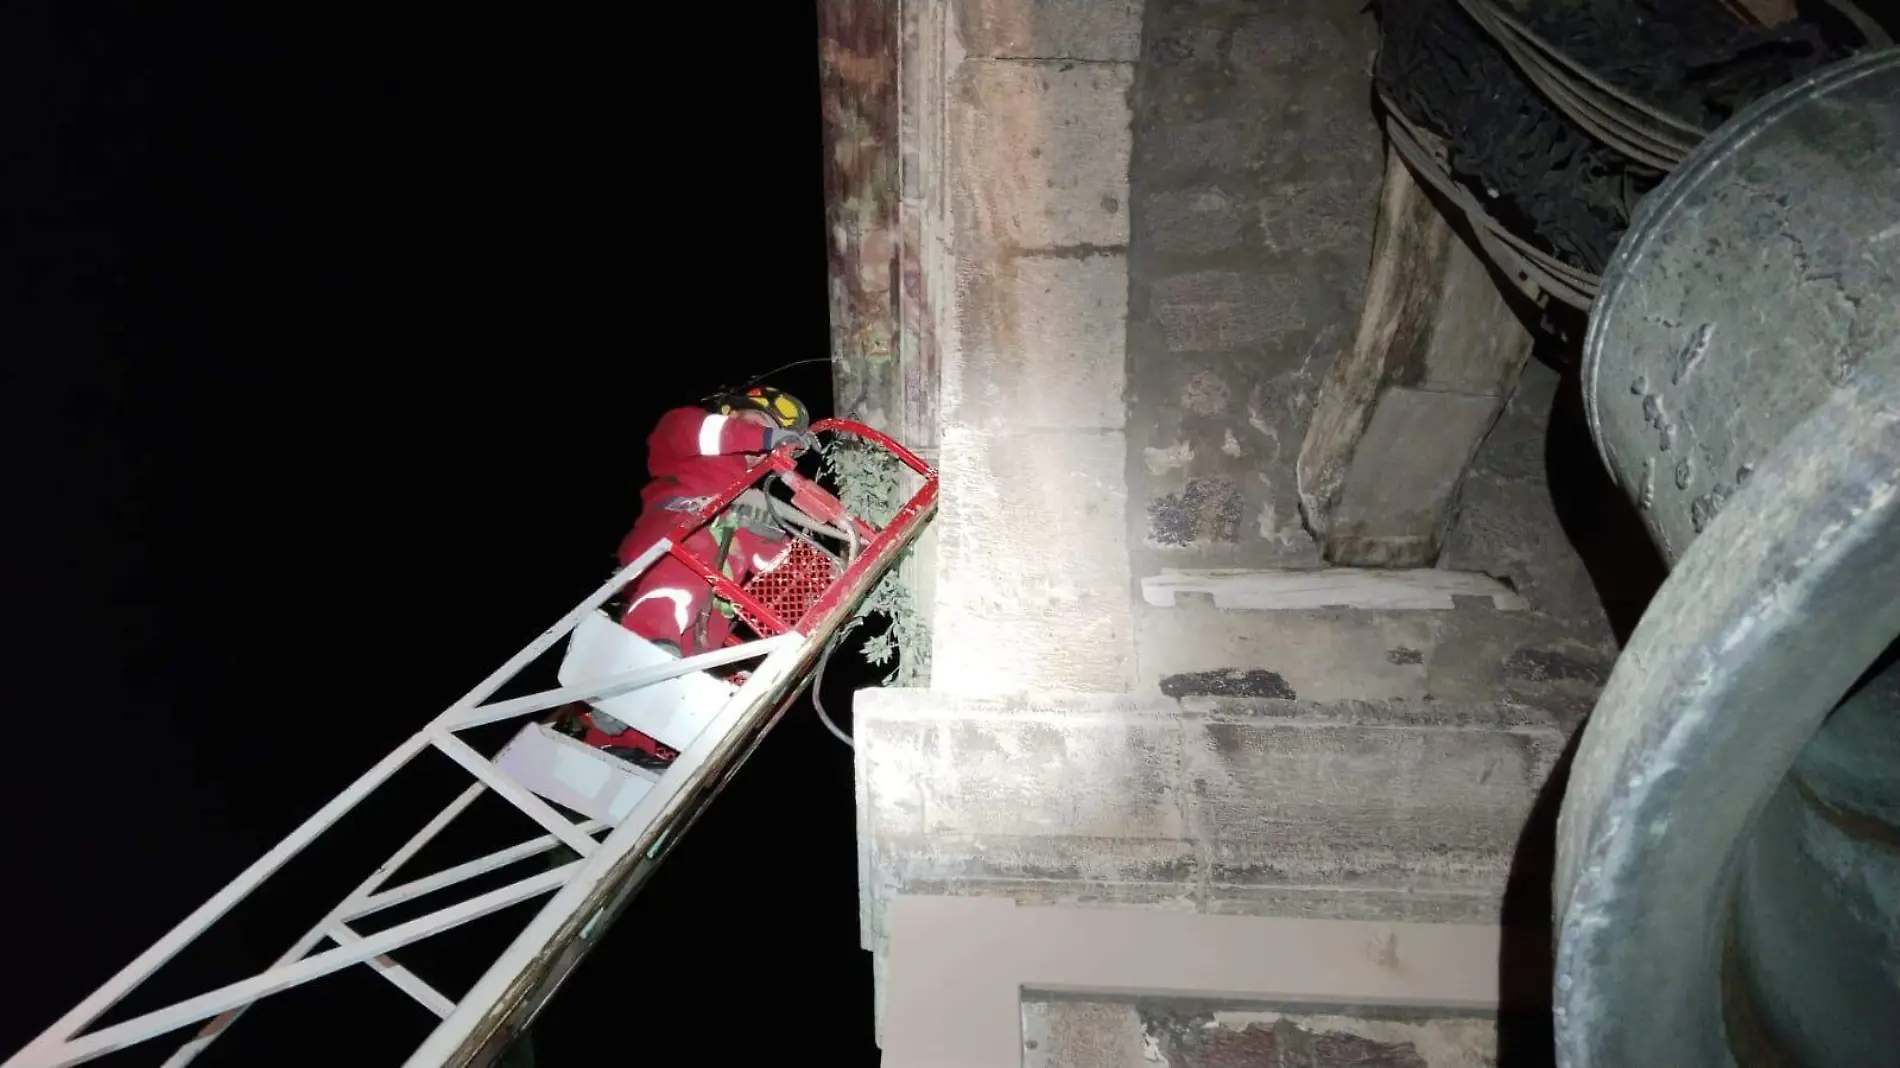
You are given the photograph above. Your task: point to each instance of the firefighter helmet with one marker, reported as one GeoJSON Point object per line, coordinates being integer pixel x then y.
{"type": "Point", "coordinates": [786, 411]}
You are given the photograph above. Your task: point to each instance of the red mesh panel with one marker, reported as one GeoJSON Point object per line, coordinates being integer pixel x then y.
{"type": "Point", "coordinates": [794, 585]}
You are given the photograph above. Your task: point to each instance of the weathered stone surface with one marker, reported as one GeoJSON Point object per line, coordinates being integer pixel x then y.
{"type": "Point", "coordinates": [859, 53]}
{"type": "Point", "coordinates": [1082, 1034]}
{"type": "Point", "coordinates": [1033, 584]}
{"type": "Point", "coordinates": [1328, 214]}
{"type": "Point", "coordinates": [1461, 656]}
{"type": "Point", "coordinates": [1352, 903]}
{"type": "Point", "coordinates": [1255, 176]}
{"type": "Point", "coordinates": [1040, 153]}
{"type": "Point", "coordinates": [1043, 344]}
{"type": "Point", "coordinates": [1321, 655]}
{"type": "Point", "coordinates": [1003, 858]}
{"type": "Point", "coordinates": [1292, 40]}
{"type": "Point", "coordinates": [1244, 806]}
{"type": "Point", "coordinates": [1255, 170]}
{"type": "Point", "coordinates": [1188, 1037]}
{"type": "Point", "coordinates": [1202, 148]}
{"type": "Point", "coordinates": [1304, 804]}
{"type": "Point", "coordinates": [1050, 29]}
{"type": "Point", "coordinates": [1210, 464]}
{"type": "Point", "coordinates": [1119, 778]}
{"type": "Point", "coordinates": [1203, 510]}
{"type": "Point", "coordinates": [1195, 221]}
{"type": "Point", "coordinates": [1214, 311]}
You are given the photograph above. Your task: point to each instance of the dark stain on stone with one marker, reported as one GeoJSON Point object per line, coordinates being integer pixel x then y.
{"type": "Point", "coordinates": [1256, 682]}
{"type": "Point", "coordinates": [1170, 51]}
{"type": "Point", "coordinates": [1549, 665]}
{"type": "Point", "coordinates": [1226, 739]}
{"type": "Point", "coordinates": [1206, 509]}
{"type": "Point", "coordinates": [1111, 205]}
{"type": "Point", "coordinates": [1403, 655]}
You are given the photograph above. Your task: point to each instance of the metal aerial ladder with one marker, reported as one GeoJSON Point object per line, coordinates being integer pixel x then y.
{"type": "Point", "coordinates": [618, 819]}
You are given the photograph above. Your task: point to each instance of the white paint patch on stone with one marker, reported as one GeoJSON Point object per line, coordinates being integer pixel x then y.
{"type": "Point", "coordinates": [1174, 457]}
{"type": "Point", "coordinates": [1257, 419]}
{"type": "Point", "coordinates": [1288, 589]}
{"type": "Point", "coordinates": [1291, 534]}
{"type": "Point", "coordinates": [1231, 446]}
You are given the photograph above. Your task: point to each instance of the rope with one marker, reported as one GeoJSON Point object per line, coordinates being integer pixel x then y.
{"type": "Point", "coordinates": [818, 683]}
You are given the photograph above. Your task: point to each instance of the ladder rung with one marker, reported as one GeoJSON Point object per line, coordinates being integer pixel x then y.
{"type": "Point", "coordinates": [614, 685]}
{"type": "Point", "coordinates": [429, 884]}
{"type": "Point", "coordinates": [536, 809]}
{"type": "Point", "coordinates": [406, 981]}
{"type": "Point", "coordinates": [209, 1004]}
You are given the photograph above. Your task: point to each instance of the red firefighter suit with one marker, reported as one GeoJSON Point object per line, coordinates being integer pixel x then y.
{"type": "Point", "coordinates": [693, 454]}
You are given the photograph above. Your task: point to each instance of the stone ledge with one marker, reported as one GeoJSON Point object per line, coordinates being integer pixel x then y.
{"type": "Point", "coordinates": [1267, 807]}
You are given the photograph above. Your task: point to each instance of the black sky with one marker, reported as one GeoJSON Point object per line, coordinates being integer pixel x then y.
{"type": "Point", "coordinates": [331, 336]}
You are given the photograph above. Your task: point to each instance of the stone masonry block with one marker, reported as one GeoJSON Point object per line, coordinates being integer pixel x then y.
{"type": "Point", "coordinates": [1359, 903]}
{"type": "Point", "coordinates": [1050, 29]}
{"type": "Point", "coordinates": [1298, 38]}
{"type": "Point", "coordinates": [1207, 146]}
{"type": "Point", "coordinates": [1082, 1034]}
{"type": "Point", "coordinates": [1066, 893]}
{"type": "Point", "coordinates": [1169, 864]}
{"type": "Point", "coordinates": [1044, 344]}
{"type": "Point", "coordinates": [1039, 649]}
{"type": "Point", "coordinates": [1039, 154]}
{"type": "Point", "coordinates": [1395, 807]}
{"type": "Point", "coordinates": [1117, 779]}
{"type": "Point", "coordinates": [1194, 222]}
{"type": "Point", "coordinates": [1033, 583]}
{"type": "Point", "coordinates": [901, 704]}
{"type": "Point", "coordinates": [1329, 215]}
{"type": "Point", "coordinates": [894, 761]}
{"type": "Point", "coordinates": [1214, 311]}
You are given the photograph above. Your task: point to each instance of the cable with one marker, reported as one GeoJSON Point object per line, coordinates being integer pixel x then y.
{"type": "Point", "coordinates": [723, 391]}
{"type": "Point", "coordinates": [818, 683]}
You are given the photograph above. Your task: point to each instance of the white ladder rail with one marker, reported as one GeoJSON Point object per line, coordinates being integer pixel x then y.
{"type": "Point", "coordinates": [491, 1005]}
{"type": "Point", "coordinates": [405, 980]}
{"type": "Point", "coordinates": [585, 894]}
{"type": "Point", "coordinates": [209, 1033]}
{"type": "Point", "coordinates": [608, 872]}
{"type": "Point", "coordinates": [62, 1044]}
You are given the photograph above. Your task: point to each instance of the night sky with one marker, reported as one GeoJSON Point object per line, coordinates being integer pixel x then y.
{"type": "Point", "coordinates": [331, 340]}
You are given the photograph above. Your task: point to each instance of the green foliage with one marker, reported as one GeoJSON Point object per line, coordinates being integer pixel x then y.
{"type": "Point", "coordinates": [870, 482]}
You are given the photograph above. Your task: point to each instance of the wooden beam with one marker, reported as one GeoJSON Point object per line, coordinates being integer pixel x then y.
{"type": "Point", "coordinates": [1402, 412]}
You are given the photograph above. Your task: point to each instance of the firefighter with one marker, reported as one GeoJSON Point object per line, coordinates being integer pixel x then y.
{"type": "Point", "coordinates": [694, 454]}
